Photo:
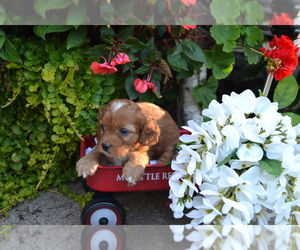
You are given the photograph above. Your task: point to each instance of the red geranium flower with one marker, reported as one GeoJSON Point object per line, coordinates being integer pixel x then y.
{"type": "Point", "coordinates": [103, 68]}
{"type": "Point", "coordinates": [282, 19]}
{"type": "Point", "coordinates": [282, 58]}
{"type": "Point", "coordinates": [120, 58]}
{"type": "Point", "coordinates": [142, 86]}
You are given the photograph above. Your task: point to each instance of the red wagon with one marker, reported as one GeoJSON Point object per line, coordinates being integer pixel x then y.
{"type": "Point", "coordinates": [105, 210]}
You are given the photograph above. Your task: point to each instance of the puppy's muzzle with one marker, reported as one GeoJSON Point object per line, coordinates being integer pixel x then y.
{"type": "Point", "coordinates": [105, 146]}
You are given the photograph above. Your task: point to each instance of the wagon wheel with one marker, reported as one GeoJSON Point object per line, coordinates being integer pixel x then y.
{"type": "Point", "coordinates": [103, 238]}
{"type": "Point", "coordinates": [103, 211]}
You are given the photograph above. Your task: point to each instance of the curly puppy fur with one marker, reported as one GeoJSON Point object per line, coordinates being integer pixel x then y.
{"type": "Point", "coordinates": [131, 134]}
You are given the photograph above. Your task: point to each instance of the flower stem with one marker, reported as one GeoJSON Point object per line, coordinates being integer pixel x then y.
{"type": "Point", "coordinates": [268, 84]}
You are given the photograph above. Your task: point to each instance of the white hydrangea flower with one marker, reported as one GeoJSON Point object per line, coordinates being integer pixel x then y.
{"type": "Point", "coordinates": [250, 152]}
{"type": "Point", "coordinates": [223, 172]}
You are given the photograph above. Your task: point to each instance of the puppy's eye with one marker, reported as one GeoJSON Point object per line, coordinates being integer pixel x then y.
{"type": "Point", "coordinates": [102, 127]}
{"type": "Point", "coordinates": [124, 131]}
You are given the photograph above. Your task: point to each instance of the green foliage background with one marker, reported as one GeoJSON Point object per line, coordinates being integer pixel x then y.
{"type": "Point", "coordinates": [129, 12]}
{"type": "Point", "coordinates": [49, 96]}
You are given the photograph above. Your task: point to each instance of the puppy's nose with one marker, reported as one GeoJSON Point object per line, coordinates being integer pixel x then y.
{"type": "Point", "coordinates": [105, 146]}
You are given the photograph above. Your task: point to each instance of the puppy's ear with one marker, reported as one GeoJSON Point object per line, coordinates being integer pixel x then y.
{"type": "Point", "coordinates": [99, 128]}
{"type": "Point", "coordinates": [150, 133]}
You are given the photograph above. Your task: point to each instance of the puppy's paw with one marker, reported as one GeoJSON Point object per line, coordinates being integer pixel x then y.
{"type": "Point", "coordinates": [85, 167]}
{"type": "Point", "coordinates": [132, 174]}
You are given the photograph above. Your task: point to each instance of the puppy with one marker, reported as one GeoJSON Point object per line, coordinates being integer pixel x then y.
{"type": "Point", "coordinates": [131, 134]}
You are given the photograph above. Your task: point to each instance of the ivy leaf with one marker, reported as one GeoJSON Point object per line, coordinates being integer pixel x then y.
{"type": "Point", "coordinates": [225, 12]}
{"type": "Point", "coordinates": [41, 6]}
{"type": "Point", "coordinates": [76, 37]}
{"type": "Point", "coordinates": [219, 61]}
{"type": "Point", "coordinates": [286, 91]}
{"type": "Point", "coordinates": [8, 52]}
{"type": "Point", "coordinates": [226, 35]}
{"type": "Point", "coordinates": [272, 167]}
{"type": "Point", "coordinates": [17, 166]}
{"type": "Point", "coordinates": [205, 93]}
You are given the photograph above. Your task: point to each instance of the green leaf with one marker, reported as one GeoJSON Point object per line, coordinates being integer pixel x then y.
{"type": "Point", "coordinates": [254, 13]}
{"type": "Point", "coordinates": [107, 12]}
{"type": "Point", "coordinates": [126, 10]}
{"type": "Point", "coordinates": [17, 166]}
{"type": "Point", "coordinates": [252, 57]}
{"type": "Point", "coordinates": [126, 33]}
{"type": "Point", "coordinates": [254, 36]}
{"type": "Point", "coordinates": [225, 12]}
{"type": "Point", "coordinates": [42, 30]}
{"type": "Point", "coordinates": [130, 90]}
{"type": "Point", "coordinates": [193, 51]}
{"type": "Point", "coordinates": [228, 158]}
{"type": "Point", "coordinates": [108, 90]}
{"type": "Point", "coordinates": [2, 40]}
{"type": "Point", "coordinates": [226, 35]}
{"type": "Point", "coordinates": [219, 61]}
{"type": "Point", "coordinates": [272, 167]}
{"type": "Point", "coordinates": [2, 14]}
{"type": "Point", "coordinates": [41, 6]}
{"type": "Point", "coordinates": [205, 93]}
{"type": "Point", "coordinates": [295, 118]}
{"type": "Point", "coordinates": [76, 37]}
{"type": "Point", "coordinates": [286, 91]}
{"type": "Point", "coordinates": [176, 61]}
{"type": "Point", "coordinates": [8, 52]}
{"type": "Point", "coordinates": [107, 34]}
{"type": "Point", "coordinates": [142, 70]}
{"type": "Point", "coordinates": [77, 14]}
{"type": "Point", "coordinates": [136, 45]}
{"type": "Point", "coordinates": [99, 50]}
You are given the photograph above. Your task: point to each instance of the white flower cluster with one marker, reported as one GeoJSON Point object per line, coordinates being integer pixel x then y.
{"type": "Point", "coordinates": [240, 167]}
{"type": "Point", "coordinates": [238, 237]}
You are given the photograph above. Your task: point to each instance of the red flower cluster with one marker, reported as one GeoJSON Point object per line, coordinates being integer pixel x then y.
{"type": "Point", "coordinates": [282, 58]}
{"type": "Point", "coordinates": [282, 19]}
{"type": "Point", "coordinates": [142, 86]}
{"type": "Point", "coordinates": [189, 2]}
{"type": "Point", "coordinates": [189, 27]}
{"type": "Point", "coordinates": [109, 68]}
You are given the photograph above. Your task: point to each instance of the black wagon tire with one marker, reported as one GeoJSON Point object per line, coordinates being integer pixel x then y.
{"type": "Point", "coordinates": [103, 211]}
{"type": "Point", "coordinates": [103, 237]}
